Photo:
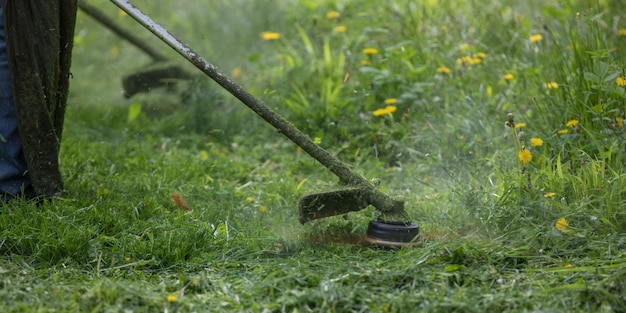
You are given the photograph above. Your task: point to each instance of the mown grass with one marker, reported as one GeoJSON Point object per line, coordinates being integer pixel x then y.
{"type": "Point", "coordinates": [501, 231]}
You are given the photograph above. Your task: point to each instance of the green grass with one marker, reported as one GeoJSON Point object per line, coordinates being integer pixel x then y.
{"type": "Point", "coordinates": [116, 242]}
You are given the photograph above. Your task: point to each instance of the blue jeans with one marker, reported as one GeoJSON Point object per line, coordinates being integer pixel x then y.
{"type": "Point", "coordinates": [13, 171]}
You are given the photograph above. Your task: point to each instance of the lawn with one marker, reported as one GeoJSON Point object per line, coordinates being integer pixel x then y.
{"type": "Point", "coordinates": [499, 123]}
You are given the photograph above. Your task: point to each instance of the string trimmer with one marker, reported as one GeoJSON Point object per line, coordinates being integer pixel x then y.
{"type": "Point", "coordinates": [392, 228]}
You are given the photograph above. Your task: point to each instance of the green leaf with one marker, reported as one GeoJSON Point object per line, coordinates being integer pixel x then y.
{"type": "Point", "coordinates": [452, 268]}
{"type": "Point", "coordinates": [133, 111]}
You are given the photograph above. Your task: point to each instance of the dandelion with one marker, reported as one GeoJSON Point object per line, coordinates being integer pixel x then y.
{"type": "Point", "coordinates": [561, 224]}
{"type": "Point", "coordinates": [267, 36]}
{"type": "Point", "coordinates": [480, 55]}
{"type": "Point", "coordinates": [525, 156]}
{"type": "Point", "coordinates": [568, 265]}
{"type": "Point", "coordinates": [536, 142]}
{"type": "Point", "coordinates": [237, 72]}
{"type": "Point", "coordinates": [370, 51]}
{"type": "Point", "coordinates": [563, 131]}
{"type": "Point", "coordinates": [552, 85]}
{"type": "Point", "coordinates": [622, 32]}
{"type": "Point", "coordinates": [194, 282]}
{"type": "Point", "coordinates": [172, 298]}
{"type": "Point", "coordinates": [535, 38]}
{"type": "Point", "coordinates": [507, 77]}
{"type": "Point", "coordinates": [572, 123]}
{"type": "Point", "coordinates": [365, 63]}
{"type": "Point", "coordinates": [250, 199]}
{"type": "Point", "coordinates": [385, 111]}
{"type": "Point", "coordinates": [263, 209]}
{"type": "Point", "coordinates": [520, 125]}
{"type": "Point", "coordinates": [468, 60]}
{"type": "Point", "coordinates": [339, 29]}
{"type": "Point", "coordinates": [390, 101]}
{"type": "Point", "coordinates": [332, 15]}
{"type": "Point", "coordinates": [463, 46]}
{"type": "Point", "coordinates": [621, 81]}
{"type": "Point", "coordinates": [443, 70]}
{"type": "Point", "coordinates": [620, 122]}
{"type": "Point", "coordinates": [549, 194]}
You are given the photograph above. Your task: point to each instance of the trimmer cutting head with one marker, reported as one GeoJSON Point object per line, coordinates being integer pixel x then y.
{"type": "Point", "coordinates": [392, 234]}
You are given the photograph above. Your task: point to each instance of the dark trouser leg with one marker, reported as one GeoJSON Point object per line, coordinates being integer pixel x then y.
{"type": "Point", "coordinates": [40, 78]}
{"type": "Point", "coordinates": [13, 174]}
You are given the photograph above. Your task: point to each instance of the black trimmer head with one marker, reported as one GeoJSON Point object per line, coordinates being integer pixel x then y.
{"type": "Point", "coordinates": [392, 234]}
{"type": "Point", "coordinates": [387, 231]}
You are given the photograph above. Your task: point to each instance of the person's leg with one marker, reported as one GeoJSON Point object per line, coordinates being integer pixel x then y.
{"type": "Point", "coordinates": [13, 173]}
{"type": "Point", "coordinates": [40, 73]}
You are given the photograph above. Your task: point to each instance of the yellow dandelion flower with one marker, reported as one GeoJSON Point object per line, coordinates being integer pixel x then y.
{"type": "Point", "coordinates": [507, 76]}
{"type": "Point", "coordinates": [561, 224]}
{"type": "Point", "coordinates": [250, 199]}
{"type": "Point", "coordinates": [270, 36]}
{"type": "Point", "coordinates": [237, 72]}
{"type": "Point", "coordinates": [549, 194]}
{"type": "Point", "coordinates": [569, 265]}
{"type": "Point", "coordinates": [380, 112]}
{"type": "Point", "coordinates": [339, 29]}
{"type": "Point", "coordinates": [552, 85]}
{"type": "Point", "coordinates": [563, 131]}
{"type": "Point", "coordinates": [525, 156]}
{"type": "Point", "coordinates": [194, 282]}
{"type": "Point", "coordinates": [536, 142]}
{"type": "Point", "coordinates": [480, 55]}
{"type": "Point", "coordinates": [463, 46]}
{"type": "Point", "coordinates": [468, 60]}
{"type": "Point", "coordinates": [365, 63]}
{"type": "Point", "coordinates": [520, 125]}
{"type": "Point", "coordinates": [370, 51]}
{"type": "Point", "coordinates": [443, 70]}
{"type": "Point", "coordinates": [390, 101]}
{"type": "Point", "coordinates": [620, 122]}
{"type": "Point", "coordinates": [535, 38]}
{"type": "Point", "coordinates": [332, 15]}
{"type": "Point", "coordinates": [622, 32]}
{"type": "Point", "coordinates": [263, 209]}
{"type": "Point", "coordinates": [115, 52]}
{"type": "Point", "coordinates": [572, 123]}
{"type": "Point", "coordinates": [171, 298]}
{"type": "Point", "coordinates": [385, 111]}
{"type": "Point", "coordinates": [621, 81]}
